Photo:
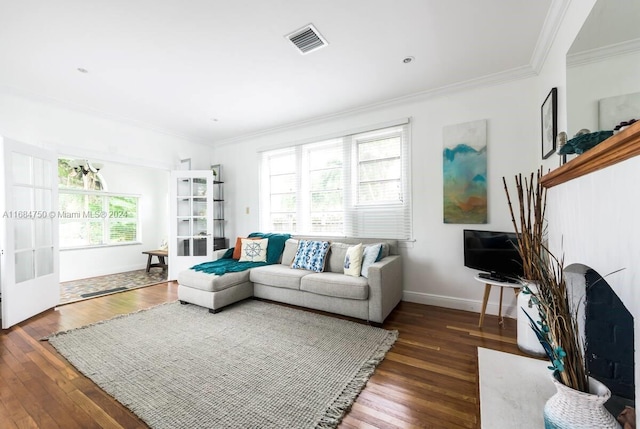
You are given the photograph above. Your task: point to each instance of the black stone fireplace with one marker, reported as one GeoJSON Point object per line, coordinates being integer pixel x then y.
{"type": "Point", "coordinates": [609, 341]}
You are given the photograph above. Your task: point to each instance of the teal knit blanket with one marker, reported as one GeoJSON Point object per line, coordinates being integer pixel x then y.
{"type": "Point", "coordinates": [228, 265]}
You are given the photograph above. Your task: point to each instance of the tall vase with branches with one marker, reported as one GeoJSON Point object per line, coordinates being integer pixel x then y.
{"type": "Point", "coordinates": [528, 222]}
{"type": "Point", "coordinates": [557, 326]}
{"type": "Point", "coordinates": [557, 329]}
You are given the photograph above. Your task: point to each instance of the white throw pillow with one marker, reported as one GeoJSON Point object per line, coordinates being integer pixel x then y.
{"type": "Point", "coordinates": [353, 261]}
{"type": "Point", "coordinates": [369, 256]}
{"type": "Point", "coordinates": [254, 250]}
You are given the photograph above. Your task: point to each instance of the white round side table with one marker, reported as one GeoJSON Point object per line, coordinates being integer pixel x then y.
{"type": "Point", "coordinates": [487, 290]}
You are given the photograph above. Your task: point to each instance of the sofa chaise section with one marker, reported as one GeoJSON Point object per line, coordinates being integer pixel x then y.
{"type": "Point", "coordinates": [213, 291]}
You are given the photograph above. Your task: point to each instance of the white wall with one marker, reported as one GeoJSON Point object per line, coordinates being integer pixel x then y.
{"type": "Point", "coordinates": [90, 135]}
{"type": "Point", "coordinates": [119, 146]}
{"type": "Point", "coordinates": [588, 83]}
{"type": "Point", "coordinates": [433, 265]}
{"type": "Point", "coordinates": [592, 219]}
{"type": "Point", "coordinates": [554, 69]}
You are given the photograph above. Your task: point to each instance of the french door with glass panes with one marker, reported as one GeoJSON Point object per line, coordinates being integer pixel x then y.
{"type": "Point", "coordinates": [191, 208]}
{"type": "Point", "coordinates": [29, 268]}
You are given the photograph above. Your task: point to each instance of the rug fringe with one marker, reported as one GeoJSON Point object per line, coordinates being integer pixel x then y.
{"type": "Point", "coordinates": [100, 322]}
{"type": "Point", "coordinates": [334, 413]}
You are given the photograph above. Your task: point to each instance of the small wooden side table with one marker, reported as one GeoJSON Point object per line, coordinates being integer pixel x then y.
{"type": "Point", "coordinates": [161, 254]}
{"type": "Point", "coordinates": [487, 290]}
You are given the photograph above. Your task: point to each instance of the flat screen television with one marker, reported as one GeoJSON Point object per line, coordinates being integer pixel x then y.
{"type": "Point", "coordinates": [494, 253]}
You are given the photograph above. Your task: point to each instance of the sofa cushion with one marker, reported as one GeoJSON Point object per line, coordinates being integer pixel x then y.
{"type": "Point", "coordinates": [336, 285]}
{"type": "Point", "coordinates": [337, 254]}
{"type": "Point", "coordinates": [311, 255]}
{"type": "Point", "coordinates": [211, 282]}
{"type": "Point", "coordinates": [290, 249]}
{"type": "Point", "coordinates": [278, 275]}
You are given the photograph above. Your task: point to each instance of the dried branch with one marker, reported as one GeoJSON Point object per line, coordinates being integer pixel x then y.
{"type": "Point", "coordinates": [558, 330]}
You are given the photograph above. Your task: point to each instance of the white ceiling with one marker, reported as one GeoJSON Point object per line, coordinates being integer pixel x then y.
{"type": "Point", "coordinates": [174, 65]}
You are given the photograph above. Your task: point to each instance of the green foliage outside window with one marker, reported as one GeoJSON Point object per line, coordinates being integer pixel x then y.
{"type": "Point", "coordinates": [91, 217]}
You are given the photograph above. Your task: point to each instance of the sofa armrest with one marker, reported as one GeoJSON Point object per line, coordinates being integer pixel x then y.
{"type": "Point", "coordinates": [218, 254]}
{"type": "Point", "coordinates": [385, 287]}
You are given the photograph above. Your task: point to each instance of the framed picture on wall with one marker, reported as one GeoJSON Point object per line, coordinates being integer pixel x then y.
{"type": "Point", "coordinates": [549, 113]}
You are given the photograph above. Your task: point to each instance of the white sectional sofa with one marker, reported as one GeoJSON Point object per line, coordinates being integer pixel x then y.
{"type": "Point", "coordinates": [369, 298]}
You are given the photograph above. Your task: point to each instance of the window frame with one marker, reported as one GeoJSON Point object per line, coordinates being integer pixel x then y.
{"type": "Point", "coordinates": [382, 212]}
{"type": "Point", "coordinates": [105, 218]}
{"type": "Point", "coordinates": [372, 137]}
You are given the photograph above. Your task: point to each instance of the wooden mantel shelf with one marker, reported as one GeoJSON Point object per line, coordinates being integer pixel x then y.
{"type": "Point", "coordinates": [615, 149]}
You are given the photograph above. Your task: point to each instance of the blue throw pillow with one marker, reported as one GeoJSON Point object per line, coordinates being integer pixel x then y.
{"type": "Point", "coordinates": [311, 255]}
{"type": "Point", "coordinates": [369, 256]}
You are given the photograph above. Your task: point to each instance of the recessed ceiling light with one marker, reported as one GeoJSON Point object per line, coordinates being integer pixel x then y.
{"type": "Point", "coordinates": [407, 60]}
{"type": "Point", "coordinates": [81, 70]}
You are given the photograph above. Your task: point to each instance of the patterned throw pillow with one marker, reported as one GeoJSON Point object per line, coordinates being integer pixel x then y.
{"type": "Point", "coordinates": [369, 256]}
{"type": "Point", "coordinates": [238, 247]}
{"type": "Point", "coordinates": [254, 250]}
{"type": "Point", "coordinates": [353, 261]}
{"type": "Point", "coordinates": [311, 255]}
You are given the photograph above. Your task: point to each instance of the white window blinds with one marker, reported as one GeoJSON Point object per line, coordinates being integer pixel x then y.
{"type": "Point", "coordinates": [356, 185]}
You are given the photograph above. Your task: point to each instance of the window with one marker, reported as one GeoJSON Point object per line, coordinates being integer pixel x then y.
{"type": "Point", "coordinates": [90, 217]}
{"type": "Point", "coordinates": [355, 185]}
{"type": "Point", "coordinates": [380, 169]}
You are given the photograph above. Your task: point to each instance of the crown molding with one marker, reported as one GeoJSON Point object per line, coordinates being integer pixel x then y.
{"type": "Point", "coordinates": [602, 53]}
{"type": "Point", "coordinates": [552, 23]}
{"type": "Point", "coordinates": [514, 74]}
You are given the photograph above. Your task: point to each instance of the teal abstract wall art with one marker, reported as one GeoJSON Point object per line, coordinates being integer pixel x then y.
{"type": "Point", "coordinates": [464, 168]}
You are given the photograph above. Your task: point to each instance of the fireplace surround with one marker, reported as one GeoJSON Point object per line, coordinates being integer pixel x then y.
{"type": "Point", "coordinates": [593, 212]}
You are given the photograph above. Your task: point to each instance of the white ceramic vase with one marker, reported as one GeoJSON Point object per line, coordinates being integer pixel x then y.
{"type": "Point", "coordinates": [571, 409]}
{"type": "Point", "coordinates": [527, 340]}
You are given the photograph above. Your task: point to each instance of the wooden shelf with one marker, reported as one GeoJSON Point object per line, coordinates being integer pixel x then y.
{"type": "Point", "coordinates": [615, 149]}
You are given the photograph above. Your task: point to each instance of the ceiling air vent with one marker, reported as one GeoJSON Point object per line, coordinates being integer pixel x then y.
{"type": "Point", "coordinates": [307, 39]}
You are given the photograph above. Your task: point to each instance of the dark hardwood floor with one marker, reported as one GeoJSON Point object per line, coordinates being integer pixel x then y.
{"type": "Point", "coordinates": [429, 379]}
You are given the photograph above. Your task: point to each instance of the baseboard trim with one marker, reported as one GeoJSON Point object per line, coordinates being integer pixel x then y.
{"type": "Point", "coordinates": [473, 305]}
{"type": "Point", "coordinates": [105, 272]}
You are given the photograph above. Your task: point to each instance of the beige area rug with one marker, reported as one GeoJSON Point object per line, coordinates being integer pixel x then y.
{"type": "Point", "coordinates": [77, 290]}
{"type": "Point", "coordinates": [513, 390]}
{"type": "Point", "coordinates": [253, 365]}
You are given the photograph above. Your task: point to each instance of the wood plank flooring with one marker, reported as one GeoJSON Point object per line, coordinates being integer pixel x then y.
{"type": "Point", "coordinates": [429, 379]}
